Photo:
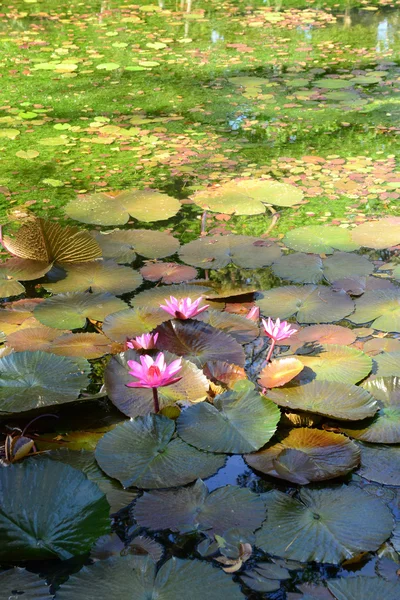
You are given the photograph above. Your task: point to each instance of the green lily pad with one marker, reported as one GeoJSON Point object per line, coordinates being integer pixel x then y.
{"type": "Point", "coordinates": [331, 398]}
{"type": "Point", "coordinates": [380, 306]}
{"type": "Point", "coordinates": [380, 463]}
{"type": "Point", "coordinates": [199, 342]}
{"type": "Point", "coordinates": [304, 455]}
{"type": "Point", "coordinates": [97, 276]}
{"type": "Point", "coordinates": [20, 582]}
{"type": "Point", "coordinates": [340, 264]}
{"type": "Point", "coordinates": [299, 268]}
{"type": "Point", "coordinates": [123, 245]}
{"type": "Point", "coordinates": [193, 508]}
{"type": "Point", "coordinates": [320, 239]}
{"type": "Point", "coordinates": [133, 402]}
{"type": "Point", "coordinates": [240, 420]}
{"type": "Point", "coordinates": [333, 84]}
{"type": "Point", "coordinates": [324, 525]}
{"type": "Point", "coordinates": [70, 311]}
{"type": "Point", "coordinates": [131, 322]}
{"type": "Point", "coordinates": [105, 209]}
{"type": "Point", "coordinates": [54, 511]}
{"type": "Point", "coordinates": [241, 329]}
{"type": "Point", "coordinates": [384, 428]}
{"type": "Point", "coordinates": [218, 251]}
{"type": "Point", "coordinates": [123, 576]}
{"type": "Point", "coordinates": [387, 364]}
{"type": "Point", "coordinates": [313, 304]}
{"type": "Point", "coordinates": [379, 234]}
{"type": "Point", "coordinates": [364, 588]}
{"type": "Point", "coordinates": [143, 453]}
{"type": "Point", "coordinates": [336, 363]}
{"type": "Point", "coordinates": [23, 269]}
{"type": "Point", "coordinates": [36, 379]}
{"type": "Point", "coordinates": [87, 345]}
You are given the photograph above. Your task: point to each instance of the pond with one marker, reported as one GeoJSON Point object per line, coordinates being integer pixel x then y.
{"type": "Point", "coordinates": [200, 316]}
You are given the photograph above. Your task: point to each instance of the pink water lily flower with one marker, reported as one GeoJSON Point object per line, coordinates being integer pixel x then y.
{"type": "Point", "coordinates": [185, 308]}
{"type": "Point", "coordinates": [277, 331]}
{"type": "Point", "coordinates": [147, 341]}
{"type": "Point", "coordinates": [253, 314]}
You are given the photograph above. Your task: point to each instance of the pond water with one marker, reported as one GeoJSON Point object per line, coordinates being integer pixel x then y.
{"type": "Point", "coordinates": [246, 152]}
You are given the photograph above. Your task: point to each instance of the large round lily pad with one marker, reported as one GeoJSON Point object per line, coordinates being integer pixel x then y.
{"type": "Point", "coordinates": [380, 306]}
{"type": "Point", "coordinates": [324, 525]}
{"type": "Point", "coordinates": [199, 342]}
{"type": "Point", "coordinates": [70, 311]}
{"type": "Point", "coordinates": [193, 508]}
{"type": "Point", "coordinates": [135, 577]}
{"type": "Point", "coordinates": [331, 398]}
{"type": "Point", "coordinates": [218, 251]}
{"type": "Point", "coordinates": [312, 303]}
{"type": "Point", "coordinates": [97, 277]}
{"type": "Point", "coordinates": [321, 334]}
{"type": "Point", "coordinates": [384, 427]}
{"type": "Point", "coordinates": [240, 420]}
{"type": "Point", "coordinates": [379, 234]}
{"type": "Point", "coordinates": [364, 588]}
{"type": "Point", "coordinates": [131, 322]}
{"type": "Point", "coordinates": [53, 511]}
{"type": "Point", "coordinates": [280, 371]}
{"type": "Point", "coordinates": [320, 239]}
{"type": "Point", "coordinates": [336, 363]}
{"type": "Point", "coordinates": [168, 272]}
{"type": "Point", "coordinates": [18, 582]}
{"type": "Point", "coordinates": [305, 455]}
{"type": "Point", "coordinates": [340, 264]}
{"type": "Point", "coordinates": [144, 453]}
{"type": "Point", "coordinates": [133, 402]}
{"type": "Point", "coordinates": [35, 379]}
{"type": "Point", "coordinates": [123, 245]}
{"type": "Point", "coordinates": [104, 209]}
{"type": "Point", "coordinates": [380, 463]}
{"type": "Point", "coordinates": [299, 268]}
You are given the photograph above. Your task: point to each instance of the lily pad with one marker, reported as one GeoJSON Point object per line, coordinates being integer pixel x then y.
{"type": "Point", "coordinates": [313, 304]}
{"type": "Point", "coordinates": [382, 307]}
{"type": "Point", "coordinates": [99, 276]}
{"type": "Point", "coordinates": [364, 588]}
{"type": "Point", "coordinates": [240, 420]}
{"type": "Point", "coordinates": [330, 398]}
{"type": "Point", "coordinates": [33, 338]}
{"type": "Point", "coordinates": [156, 296]}
{"type": "Point", "coordinates": [340, 264]}
{"type": "Point", "coordinates": [279, 372]}
{"type": "Point", "coordinates": [193, 508]}
{"type": "Point", "coordinates": [305, 455]}
{"type": "Point", "coordinates": [143, 453]}
{"type": "Point", "coordinates": [122, 576]}
{"type": "Point", "coordinates": [265, 577]}
{"type": "Point", "coordinates": [320, 239]}
{"type": "Point", "coordinates": [321, 334]}
{"type": "Point", "coordinates": [333, 84]}
{"type": "Point", "coordinates": [131, 322]}
{"type": "Point", "coordinates": [105, 209]}
{"type": "Point", "coordinates": [337, 363]}
{"type": "Point", "coordinates": [299, 268]}
{"type": "Point", "coordinates": [48, 242]}
{"type": "Point", "coordinates": [87, 345]}
{"type": "Point", "coordinates": [241, 329]}
{"type": "Point", "coordinates": [223, 372]}
{"type": "Point", "coordinates": [123, 245]}
{"type": "Point", "coordinates": [380, 463]}
{"type": "Point", "coordinates": [54, 511]}
{"type": "Point", "coordinates": [379, 234]}
{"type": "Point", "coordinates": [70, 311]}
{"type": "Point", "coordinates": [168, 272]}
{"type": "Point", "coordinates": [199, 342]}
{"type": "Point", "coordinates": [324, 525]}
{"type": "Point", "coordinates": [36, 379]}
{"type": "Point", "coordinates": [387, 364]}
{"type": "Point", "coordinates": [218, 251]}
{"type": "Point", "coordinates": [133, 402]}
{"type": "Point", "coordinates": [20, 582]}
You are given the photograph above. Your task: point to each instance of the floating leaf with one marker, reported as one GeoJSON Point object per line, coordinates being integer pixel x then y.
{"type": "Point", "coordinates": [313, 304]}
{"type": "Point", "coordinates": [120, 577]}
{"type": "Point", "coordinates": [265, 577]}
{"type": "Point", "coordinates": [193, 508]}
{"type": "Point", "coordinates": [218, 251]}
{"type": "Point", "coordinates": [70, 311]}
{"type": "Point", "coordinates": [299, 268]}
{"type": "Point", "coordinates": [377, 345]}
{"type": "Point", "coordinates": [340, 264]}
{"type": "Point", "coordinates": [320, 239]}
{"type": "Point", "coordinates": [199, 342]}
{"type": "Point", "coordinates": [36, 379]}
{"type": "Point", "coordinates": [305, 455]}
{"type": "Point", "coordinates": [364, 588]}
{"type": "Point", "coordinates": [108, 66]}
{"type": "Point", "coordinates": [32, 338]}
{"type": "Point", "coordinates": [279, 372]}
{"type": "Point", "coordinates": [73, 516]}
{"type": "Point", "coordinates": [105, 209]}
{"type": "Point", "coordinates": [156, 296]}
{"type": "Point", "coordinates": [133, 402]}
{"type": "Point", "coordinates": [168, 272]}
{"type": "Point", "coordinates": [20, 582]}
{"type": "Point", "coordinates": [131, 322]}
{"type": "Point", "coordinates": [337, 363]}
{"type": "Point", "coordinates": [142, 453]}
{"type": "Point", "coordinates": [331, 398]}
{"type": "Point", "coordinates": [241, 329]}
{"type": "Point", "coordinates": [380, 306]}
{"type": "Point", "coordinates": [324, 525]}
{"type": "Point", "coordinates": [27, 154]}
{"type": "Point", "coordinates": [240, 420]}
{"type": "Point", "coordinates": [333, 84]}
{"type": "Point", "coordinates": [228, 200]}
{"type": "Point", "coordinates": [224, 372]}
{"type": "Point", "coordinates": [88, 345]}
{"type": "Point", "coordinates": [387, 364]}
{"type": "Point", "coordinates": [380, 463]}
{"type": "Point", "coordinates": [99, 276]}
{"type": "Point", "coordinates": [11, 134]}
{"type": "Point", "coordinates": [48, 242]}
{"type": "Point", "coordinates": [380, 234]}
{"type": "Point", "coordinates": [321, 334]}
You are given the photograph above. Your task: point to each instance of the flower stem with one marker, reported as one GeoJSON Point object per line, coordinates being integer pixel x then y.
{"type": "Point", "coordinates": [155, 399]}
{"type": "Point", "coordinates": [271, 349]}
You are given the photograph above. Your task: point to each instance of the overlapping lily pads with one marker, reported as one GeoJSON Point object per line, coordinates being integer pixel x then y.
{"type": "Point", "coordinates": [193, 508]}
{"type": "Point", "coordinates": [305, 455]}
{"type": "Point", "coordinates": [36, 379]}
{"type": "Point", "coordinates": [311, 303]}
{"type": "Point", "coordinates": [380, 463]}
{"type": "Point", "coordinates": [324, 525]}
{"type": "Point", "coordinates": [241, 329]}
{"type": "Point", "coordinates": [265, 577]}
{"type": "Point", "coordinates": [320, 239]}
{"type": "Point", "coordinates": [144, 453]}
{"type": "Point", "coordinates": [15, 270]}
{"type": "Point", "coordinates": [20, 582]}
{"type": "Point", "coordinates": [131, 322]}
{"type": "Point", "coordinates": [336, 363]}
{"type": "Point", "coordinates": [54, 511]}
{"type": "Point", "coordinates": [218, 251]}
{"type": "Point", "coordinates": [382, 307]}
{"type": "Point", "coordinates": [106, 209]}
{"type": "Point", "coordinates": [123, 245]}
{"type": "Point", "coordinates": [240, 420]}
